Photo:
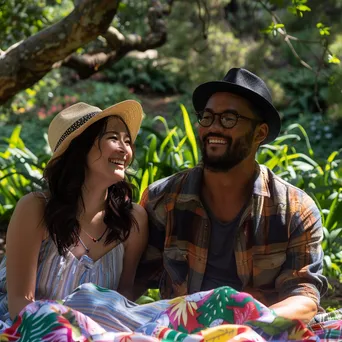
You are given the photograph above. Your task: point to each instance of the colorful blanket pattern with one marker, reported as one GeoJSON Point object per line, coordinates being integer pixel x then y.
{"type": "Point", "coordinates": [218, 315]}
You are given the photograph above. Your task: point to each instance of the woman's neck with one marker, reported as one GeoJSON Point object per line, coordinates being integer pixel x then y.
{"type": "Point", "coordinates": [94, 199]}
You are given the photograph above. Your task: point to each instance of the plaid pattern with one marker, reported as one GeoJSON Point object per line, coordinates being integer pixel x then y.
{"type": "Point", "coordinates": [327, 317]}
{"type": "Point", "coordinates": [327, 326]}
{"type": "Point", "coordinates": [277, 249]}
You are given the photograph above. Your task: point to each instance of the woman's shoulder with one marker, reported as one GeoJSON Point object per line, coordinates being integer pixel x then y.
{"type": "Point", "coordinates": [28, 214]}
{"type": "Point", "coordinates": [33, 202]}
{"type": "Point", "coordinates": [139, 232]}
{"type": "Point", "coordinates": [139, 212]}
{"type": "Point", "coordinates": [33, 198]}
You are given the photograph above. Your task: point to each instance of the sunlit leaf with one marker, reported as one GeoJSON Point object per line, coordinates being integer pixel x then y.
{"type": "Point", "coordinates": [333, 59]}
{"type": "Point", "coordinates": [190, 133]}
{"type": "Point", "coordinates": [144, 182]}
{"type": "Point", "coordinates": [303, 8]}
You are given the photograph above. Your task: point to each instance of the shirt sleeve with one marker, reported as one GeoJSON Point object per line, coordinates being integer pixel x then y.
{"type": "Point", "coordinates": [151, 265]}
{"type": "Point", "coordinates": [302, 272]}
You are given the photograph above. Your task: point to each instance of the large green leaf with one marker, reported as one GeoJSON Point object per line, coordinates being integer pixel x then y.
{"type": "Point", "coordinates": [335, 211]}
{"type": "Point", "coordinates": [144, 182]}
{"type": "Point", "coordinates": [190, 133]}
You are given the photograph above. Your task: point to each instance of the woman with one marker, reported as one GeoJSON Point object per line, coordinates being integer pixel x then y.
{"type": "Point", "coordinates": [84, 228]}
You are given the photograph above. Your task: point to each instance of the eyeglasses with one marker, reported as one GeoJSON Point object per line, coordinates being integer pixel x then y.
{"type": "Point", "coordinates": [228, 119]}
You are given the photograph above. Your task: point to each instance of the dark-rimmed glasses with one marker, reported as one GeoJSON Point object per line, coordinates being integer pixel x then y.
{"type": "Point", "coordinates": [228, 119]}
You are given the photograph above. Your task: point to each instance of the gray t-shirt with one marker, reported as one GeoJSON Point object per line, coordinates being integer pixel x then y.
{"type": "Point", "coordinates": [221, 265]}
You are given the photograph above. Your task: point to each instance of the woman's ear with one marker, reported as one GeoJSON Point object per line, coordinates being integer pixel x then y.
{"type": "Point", "coordinates": [261, 133]}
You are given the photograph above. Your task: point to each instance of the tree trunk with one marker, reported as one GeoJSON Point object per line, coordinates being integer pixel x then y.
{"type": "Point", "coordinates": [26, 62]}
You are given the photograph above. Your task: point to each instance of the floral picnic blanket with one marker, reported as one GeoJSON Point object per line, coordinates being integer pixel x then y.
{"type": "Point", "coordinates": [92, 313]}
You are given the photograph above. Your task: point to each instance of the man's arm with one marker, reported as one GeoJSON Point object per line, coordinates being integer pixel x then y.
{"type": "Point", "coordinates": [296, 307]}
{"type": "Point", "coordinates": [301, 283]}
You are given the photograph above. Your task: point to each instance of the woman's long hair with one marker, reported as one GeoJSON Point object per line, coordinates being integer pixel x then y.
{"type": "Point", "coordinates": [65, 177]}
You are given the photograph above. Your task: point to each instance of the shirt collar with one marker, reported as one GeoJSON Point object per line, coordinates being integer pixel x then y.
{"type": "Point", "coordinates": [191, 189]}
{"type": "Point", "coordinates": [192, 185]}
{"type": "Point", "coordinates": [261, 181]}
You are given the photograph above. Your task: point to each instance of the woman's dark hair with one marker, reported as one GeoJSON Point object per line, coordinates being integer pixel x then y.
{"type": "Point", "coordinates": [65, 177]}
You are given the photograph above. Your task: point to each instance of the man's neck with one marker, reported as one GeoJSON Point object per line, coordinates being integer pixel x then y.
{"type": "Point", "coordinates": [227, 192]}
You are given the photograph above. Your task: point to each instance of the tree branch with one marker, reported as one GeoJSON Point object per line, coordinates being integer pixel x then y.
{"type": "Point", "coordinates": [287, 38]}
{"type": "Point", "coordinates": [119, 44]}
{"type": "Point", "coordinates": [26, 62]}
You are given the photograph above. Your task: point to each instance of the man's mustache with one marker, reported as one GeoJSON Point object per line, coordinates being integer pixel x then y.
{"type": "Point", "coordinates": [215, 135]}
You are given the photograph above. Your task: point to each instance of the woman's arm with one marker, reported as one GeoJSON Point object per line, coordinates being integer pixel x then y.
{"type": "Point", "coordinates": [24, 237]}
{"type": "Point", "coordinates": [134, 247]}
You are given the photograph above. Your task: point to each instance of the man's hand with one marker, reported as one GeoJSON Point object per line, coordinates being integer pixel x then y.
{"type": "Point", "coordinates": [296, 307]}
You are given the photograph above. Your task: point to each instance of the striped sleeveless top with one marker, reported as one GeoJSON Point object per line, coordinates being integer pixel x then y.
{"type": "Point", "coordinates": [58, 276]}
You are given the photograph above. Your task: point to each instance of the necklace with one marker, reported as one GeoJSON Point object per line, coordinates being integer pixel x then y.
{"type": "Point", "coordinates": [93, 239]}
{"type": "Point", "coordinates": [84, 246]}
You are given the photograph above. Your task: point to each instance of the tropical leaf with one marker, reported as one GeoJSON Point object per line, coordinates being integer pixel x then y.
{"type": "Point", "coordinates": [190, 133]}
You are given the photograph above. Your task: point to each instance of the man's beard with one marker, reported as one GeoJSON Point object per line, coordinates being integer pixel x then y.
{"type": "Point", "coordinates": [234, 154]}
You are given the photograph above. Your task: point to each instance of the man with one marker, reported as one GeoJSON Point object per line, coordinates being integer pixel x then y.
{"type": "Point", "coordinates": [230, 221]}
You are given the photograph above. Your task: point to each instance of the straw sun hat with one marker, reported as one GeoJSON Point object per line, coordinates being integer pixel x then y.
{"type": "Point", "coordinates": [72, 121]}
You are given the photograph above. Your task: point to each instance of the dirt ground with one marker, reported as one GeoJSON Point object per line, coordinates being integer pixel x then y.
{"type": "Point", "coordinates": [157, 105]}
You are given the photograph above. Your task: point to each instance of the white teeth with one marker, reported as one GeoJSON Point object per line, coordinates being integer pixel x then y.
{"type": "Point", "coordinates": [217, 141]}
{"type": "Point", "coordinates": [117, 161]}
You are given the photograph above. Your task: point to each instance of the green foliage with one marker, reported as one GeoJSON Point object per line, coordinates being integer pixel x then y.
{"type": "Point", "coordinates": [144, 75]}
{"type": "Point", "coordinates": [100, 94]}
{"type": "Point", "coordinates": [323, 30]}
{"type": "Point", "coordinates": [199, 52]}
{"type": "Point", "coordinates": [31, 132]}
{"type": "Point", "coordinates": [40, 95]}
{"type": "Point", "coordinates": [164, 153]}
{"type": "Point", "coordinates": [321, 180]}
{"type": "Point", "coordinates": [128, 23]}
{"type": "Point", "coordinates": [273, 28]}
{"type": "Point", "coordinates": [20, 172]}
{"type": "Point", "coordinates": [21, 19]}
{"type": "Point", "coordinates": [333, 59]}
{"type": "Point", "coordinates": [323, 134]}
{"type": "Point", "coordinates": [299, 92]}
{"type": "Point", "coordinates": [150, 296]}
{"type": "Point", "coordinates": [298, 7]}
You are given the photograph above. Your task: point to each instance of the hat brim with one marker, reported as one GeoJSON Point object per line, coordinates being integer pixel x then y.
{"type": "Point", "coordinates": [130, 111]}
{"type": "Point", "coordinates": [271, 116]}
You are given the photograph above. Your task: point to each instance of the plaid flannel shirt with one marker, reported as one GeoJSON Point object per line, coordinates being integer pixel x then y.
{"type": "Point", "coordinates": [277, 248]}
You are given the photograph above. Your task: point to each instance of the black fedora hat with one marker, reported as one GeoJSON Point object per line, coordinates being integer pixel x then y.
{"type": "Point", "coordinates": [242, 82]}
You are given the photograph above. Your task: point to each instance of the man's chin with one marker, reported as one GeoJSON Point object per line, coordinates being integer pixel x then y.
{"type": "Point", "coordinates": [219, 165]}
{"type": "Point", "coordinates": [214, 169]}
{"type": "Point", "coordinates": [216, 166]}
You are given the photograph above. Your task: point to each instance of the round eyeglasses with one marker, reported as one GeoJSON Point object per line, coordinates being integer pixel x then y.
{"type": "Point", "coordinates": [228, 119]}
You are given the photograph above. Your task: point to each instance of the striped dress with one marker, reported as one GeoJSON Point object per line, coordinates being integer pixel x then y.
{"type": "Point", "coordinates": [84, 286]}
{"type": "Point", "coordinates": [58, 276]}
